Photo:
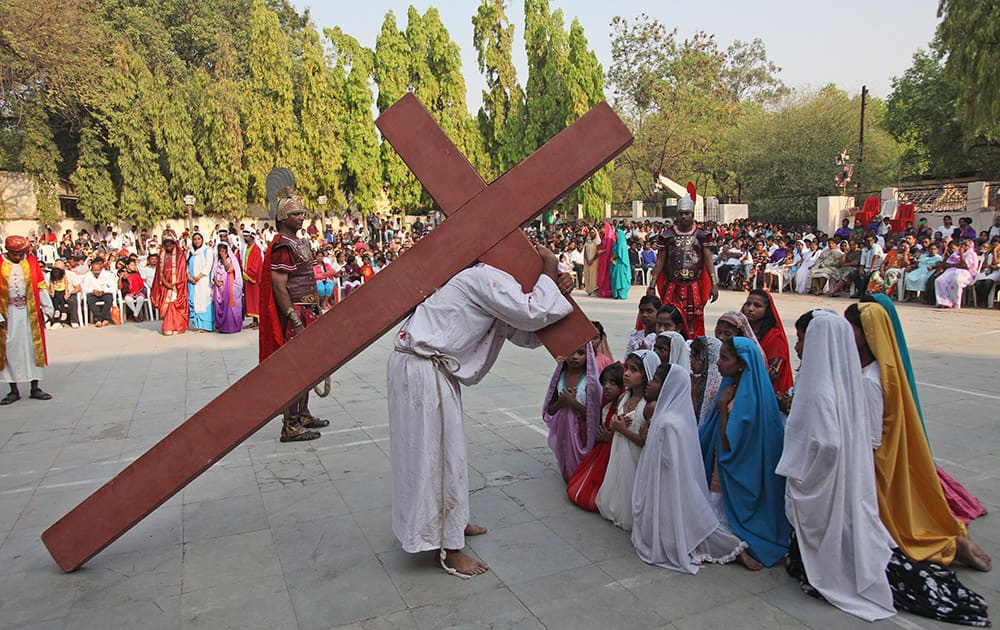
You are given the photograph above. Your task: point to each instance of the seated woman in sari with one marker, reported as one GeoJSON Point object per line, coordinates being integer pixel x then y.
{"type": "Point", "coordinates": [916, 279]}
{"type": "Point", "coordinates": [827, 263]}
{"type": "Point", "coordinates": [959, 272]}
{"type": "Point", "coordinates": [850, 262]}
{"type": "Point", "coordinates": [810, 257]}
{"type": "Point", "coordinates": [741, 444]}
{"type": "Point", "coordinates": [893, 268]}
{"type": "Point", "coordinates": [840, 548]}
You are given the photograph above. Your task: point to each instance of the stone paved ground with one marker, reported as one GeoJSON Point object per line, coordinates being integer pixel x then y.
{"type": "Point", "coordinates": [298, 536]}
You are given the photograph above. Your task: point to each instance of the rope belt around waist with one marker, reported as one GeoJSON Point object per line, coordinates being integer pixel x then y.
{"type": "Point", "coordinates": [447, 365]}
{"type": "Point", "coordinates": [444, 362]}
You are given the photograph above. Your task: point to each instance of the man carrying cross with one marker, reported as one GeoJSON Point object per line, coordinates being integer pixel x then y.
{"type": "Point", "coordinates": [453, 339]}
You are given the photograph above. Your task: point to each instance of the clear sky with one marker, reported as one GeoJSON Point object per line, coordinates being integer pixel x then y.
{"type": "Point", "coordinates": [847, 42]}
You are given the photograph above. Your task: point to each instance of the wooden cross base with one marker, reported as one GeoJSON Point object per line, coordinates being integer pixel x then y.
{"type": "Point", "coordinates": [482, 224]}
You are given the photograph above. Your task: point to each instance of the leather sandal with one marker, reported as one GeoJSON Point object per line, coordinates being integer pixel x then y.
{"type": "Point", "coordinates": [312, 422]}
{"type": "Point", "coordinates": [38, 394]}
{"type": "Point", "coordinates": [12, 397]}
{"type": "Point", "coordinates": [305, 436]}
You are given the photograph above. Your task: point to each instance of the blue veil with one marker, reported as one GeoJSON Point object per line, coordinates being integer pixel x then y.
{"type": "Point", "coordinates": [753, 495]}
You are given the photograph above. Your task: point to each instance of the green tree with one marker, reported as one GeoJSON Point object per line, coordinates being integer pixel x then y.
{"type": "Point", "coordinates": [50, 54]}
{"type": "Point", "coordinates": [361, 167]}
{"type": "Point", "coordinates": [173, 129]}
{"type": "Point", "coordinates": [268, 105]}
{"type": "Point", "coordinates": [96, 194]}
{"type": "Point", "coordinates": [123, 110]}
{"type": "Point", "coordinates": [321, 120]}
{"type": "Point", "coordinates": [39, 158]}
{"type": "Point", "coordinates": [585, 88]}
{"type": "Point", "coordinates": [218, 138]}
{"type": "Point", "coordinates": [547, 99]}
{"type": "Point", "coordinates": [392, 74]}
{"type": "Point", "coordinates": [922, 115]}
{"type": "Point", "coordinates": [785, 158]}
{"type": "Point", "coordinates": [750, 75]}
{"type": "Point", "coordinates": [672, 95]}
{"type": "Point", "coordinates": [968, 33]}
{"type": "Point", "coordinates": [501, 116]}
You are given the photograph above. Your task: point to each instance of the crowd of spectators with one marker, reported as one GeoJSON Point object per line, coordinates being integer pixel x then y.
{"type": "Point", "coordinates": [106, 276]}
{"type": "Point", "coordinates": [946, 265]}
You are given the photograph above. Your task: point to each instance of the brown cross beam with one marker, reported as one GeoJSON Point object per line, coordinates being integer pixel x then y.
{"type": "Point", "coordinates": [482, 224]}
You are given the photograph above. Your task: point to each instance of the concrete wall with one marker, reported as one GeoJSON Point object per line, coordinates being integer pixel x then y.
{"type": "Point", "coordinates": [729, 212]}
{"type": "Point", "coordinates": [831, 210]}
{"type": "Point", "coordinates": [17, 196]}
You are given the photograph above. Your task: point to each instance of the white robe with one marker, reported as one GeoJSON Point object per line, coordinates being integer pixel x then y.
{"type": "Point", "coordinates": [614, 499]}
{"type": "Point", "coordinates": [831, 499]}
{"type": "Point", "coordinates": [674, 525]}
{"type": "Point", "coordinates": [468, 320]}
{"type": "Point", "coordinates": [20, 366]}
{"type": "Point", "coordinates": [203, 260]}
{"type": "Point", "coordinates": [802, 274]}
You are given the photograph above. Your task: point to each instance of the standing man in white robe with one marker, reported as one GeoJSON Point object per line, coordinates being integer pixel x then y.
{"type": "Point", "coordinates": [830, 497]}
{"type": "Point", "coordinates": [452, 339]}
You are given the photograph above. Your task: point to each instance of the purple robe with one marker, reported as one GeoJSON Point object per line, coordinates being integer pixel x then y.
{"type": "Point", "coordinates": [564, 438]}
{"type": "Point", "coordinates": [228, 298]}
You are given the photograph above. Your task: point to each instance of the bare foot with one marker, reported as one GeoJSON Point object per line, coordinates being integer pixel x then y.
{"type": "Point", "coordinates": [972, 555]}
{"type": "Point", "coordinates": [462, 563]}
{"type": "Point", "coordinates": [475, 530]}
{"type": "Point", "coordinates": [749, 561]}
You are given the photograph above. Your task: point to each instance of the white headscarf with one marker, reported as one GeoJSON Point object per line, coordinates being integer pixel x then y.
{"type": "Point", "coordinates": [830, 496]}
{"type": "Point", "coordinates": [679, 352]}
{"type": "Point", "coordinates": [710, 377]}
{"type": "Point", "coordinates": [650, 361]}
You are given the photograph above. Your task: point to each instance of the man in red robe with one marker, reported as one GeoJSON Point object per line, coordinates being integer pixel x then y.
{"type": "Point", "coordinates": [22, 322]}
{"type": "Point", "coordinates": [253, 266]}
{"type": "Point", "coordinates": [684, 274]}
{"type": "Point", "coordinates": [170, 286]}
{"type": "Point", "coordinates": [289, 302]}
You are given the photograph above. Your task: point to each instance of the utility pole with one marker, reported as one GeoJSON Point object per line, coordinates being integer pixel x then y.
{"type": "Point", "coordinates": [861, 135]}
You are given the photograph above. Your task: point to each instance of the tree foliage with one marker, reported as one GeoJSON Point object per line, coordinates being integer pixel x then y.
{"type": "Point", "coordinates": [785, 158]}
{"type": "Point", "coordinates": [361, 166]}
{"type": "Point", "coordinates": [501, 116]}
{"type": "Point", "coordinates": [969, 32]}
{"type": "Point", "coordinates": [673, 95]}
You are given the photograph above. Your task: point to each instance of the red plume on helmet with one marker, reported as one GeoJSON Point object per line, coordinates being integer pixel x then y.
{"type": "Point", "coordinates": [692, 190]}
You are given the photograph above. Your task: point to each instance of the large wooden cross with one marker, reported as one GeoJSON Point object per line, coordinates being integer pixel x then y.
{"type": "Point", "coordinates": [482, 224]}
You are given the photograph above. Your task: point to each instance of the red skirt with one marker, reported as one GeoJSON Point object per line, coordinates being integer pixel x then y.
{"type": "Point", "coordinates": [588, 477]}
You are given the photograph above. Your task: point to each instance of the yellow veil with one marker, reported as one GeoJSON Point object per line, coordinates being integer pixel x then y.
{"type": "Point", "coordinates": [911, 501]}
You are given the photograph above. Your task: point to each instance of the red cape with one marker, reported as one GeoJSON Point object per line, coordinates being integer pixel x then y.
{"type": "Point", "coordinates": [271, 335]}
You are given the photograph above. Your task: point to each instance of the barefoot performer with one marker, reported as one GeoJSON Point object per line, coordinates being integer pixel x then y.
{"type": "Point", "coordinates": [452, 339]}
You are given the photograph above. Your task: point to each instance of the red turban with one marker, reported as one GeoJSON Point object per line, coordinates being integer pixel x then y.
{"type": "Point", "coordinates": [17, 244]}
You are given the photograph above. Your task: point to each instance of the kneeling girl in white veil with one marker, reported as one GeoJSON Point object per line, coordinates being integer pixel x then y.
{"type": "Point", "coordinates": [674, 525]}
